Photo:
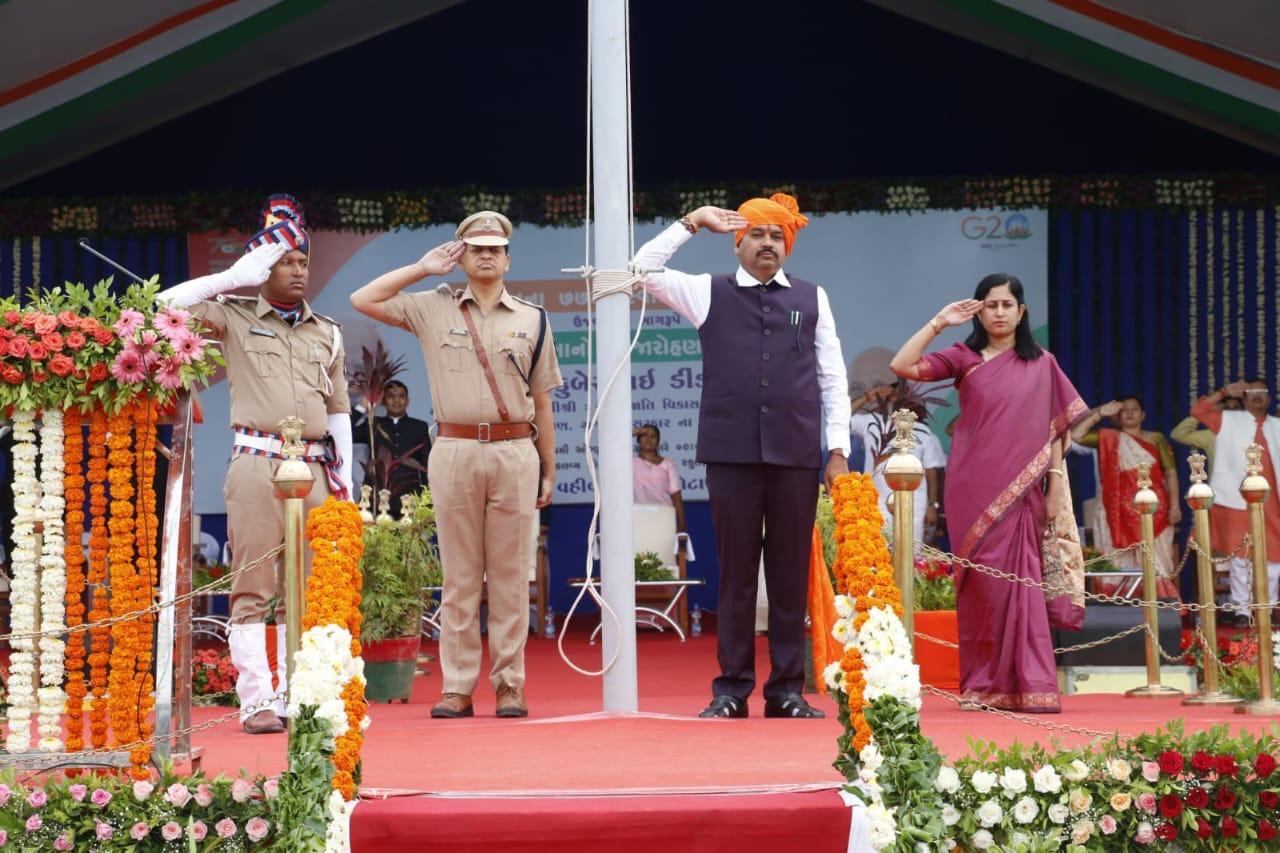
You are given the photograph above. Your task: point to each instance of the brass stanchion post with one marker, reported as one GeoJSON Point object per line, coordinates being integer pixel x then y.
{"type": "Point", "coordinates": [1145, 501]}
{"type": "Point", "coordinates": [1200, 498]}
{"type": "Point", "coordinates": [903, 473]}
{"type": "Point", "coordinates": [1255, 490]}
{"type": "Point", "coordinates": [293, 481]}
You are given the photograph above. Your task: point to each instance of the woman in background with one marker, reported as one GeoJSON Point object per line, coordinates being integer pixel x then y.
{"type": "Point", "coordinates": [654, 477]}
{"type": "Point", "coordinates": [1005, 480]}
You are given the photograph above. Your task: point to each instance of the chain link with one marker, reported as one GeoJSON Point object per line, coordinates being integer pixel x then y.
{"type": "Point", "coordinates": [1080, 647]}
{"type": "Point", "coordinates": [154, 608]}
{"type": "Point", "coordinates": [1193, 607]}
{"type": "Point", "coordinates": [1022, 718]}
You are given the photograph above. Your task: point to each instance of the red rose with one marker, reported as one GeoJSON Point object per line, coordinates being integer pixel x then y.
{"type": "Point", "coordinates": [103, 336]}
{"type": "Point", "coordinates": [13, 318]}
{"type": "Point", "coordinates": [53, 341]}
{"type": "Point", "coordinates": [1224, 799]}
{"type": "Point", "coordinates": [1197, 798]}
{"type": "Point", "coordinates": [45, 323]}
{"type": "Point", "coordinates": [1266, 830]}
{"type": "Point", "coordinates": [1229, 827]}
{"type": "Point", "coordinates": [7, 333]}
{"type": "Point", "coordinates": [40, 376]}
{"type": "Point", "coordinates": [69, 319]}
{"type": "Point", "coordinates": [1203, 829]}
{"type": "Point", "coordinates": [1264, 765]}
{"type": "Point", "coordinates": [1170, 762]}
{"type": "Point", "coordinates": [28, 321]}
{"type": "Point", "coordinates": [1202, 762]}
{"type": "Point", "coordinates": [76, 340]}
{"type": "Point", "coordinates": [37, 351]}
{"type": "Point", "coordinates": [1225, 765]}
{"type": "Point", "coordinates": [18, 346]}
{"type": "Point", "coordinates": [11, 374]}
{"type": "Point", "coordinates": [1269, 799]}
{"type": "Point", "coordinates": [1170, 806]}
{"type": "Point", "coordinates": [4, 347]}
{"type": "Point", "coordinates": [1166, 832]}
{"type": "Point", "coordinates": [89, 325]}
{"type": "Point", "coordinates": [99, 372]}
{"type": "Point", "coordinates": [61, 365]}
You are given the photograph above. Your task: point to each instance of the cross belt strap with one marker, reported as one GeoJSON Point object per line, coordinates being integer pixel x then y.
{"type": "Point", "coordinates": [485, 432]}
{"type": "Point", "coordinates": [254, 442]}
{"type": "Point", "coordinates": [484, 363]}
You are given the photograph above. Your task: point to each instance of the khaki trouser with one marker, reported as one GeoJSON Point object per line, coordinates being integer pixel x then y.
{"type": "Point", "coordinates": [485, 496]}
{"type": "Point", "coordinates": [255, 525]}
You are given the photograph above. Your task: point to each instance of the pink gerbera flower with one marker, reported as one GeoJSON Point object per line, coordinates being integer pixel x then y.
{"type": "Point", "coordinates": [130, 321]}
{"type": "Point", "coordinates": [188, 348]}
{"type": "Point", "coordinates": [128, 367]}
{"type": "Point", "coordinates": [170, 374]}
{"type": "Point", "coordinates": [171, 322]}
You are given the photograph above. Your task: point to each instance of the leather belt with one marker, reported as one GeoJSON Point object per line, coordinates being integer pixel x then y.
{"type": "Point", "coordinates": [485, 432]}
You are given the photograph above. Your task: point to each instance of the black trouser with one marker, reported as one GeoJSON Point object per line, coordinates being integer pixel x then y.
{"type": "Point", "coordinates": [757, 507]}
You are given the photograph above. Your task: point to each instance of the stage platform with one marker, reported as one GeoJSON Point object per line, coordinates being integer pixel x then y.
{"type": "Point", "coordinates": [571, 779]}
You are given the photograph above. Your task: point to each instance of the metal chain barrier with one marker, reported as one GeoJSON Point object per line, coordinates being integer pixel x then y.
{"type": "Point", "coordinates": [1079, 647]}
{"type": "Point", "coordinates": [154, 608]}
{"type": "Point", "coordinates": [1022, 718]}
{"type": "Point", "coordinates": [1193, 607]}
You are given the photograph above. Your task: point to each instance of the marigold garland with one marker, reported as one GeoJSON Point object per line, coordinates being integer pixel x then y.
{"type": "Point", "coordinates": [336, 535]}
{"type": "Point", "coordinates": [144, 422]}
{"type": "Point", "coordinates": [99, 547]}
{"type": "Point", "coordinates": [122, 682]}
{"type": "Point", "coordinates": [73, 458]}
{"type": "Point", "coordinates": [864, 573]}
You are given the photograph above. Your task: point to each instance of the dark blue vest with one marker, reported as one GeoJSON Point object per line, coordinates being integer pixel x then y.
{"type": "Point", "coordinates": [760, 397]}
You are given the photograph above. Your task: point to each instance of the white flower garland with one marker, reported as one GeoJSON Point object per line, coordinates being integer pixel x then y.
{"type": "Point", "coordinates": [337, 837]}
{"type": "Point", "coordinates": [322, 668]}
{"type": "Point", "coordinates": [888, 670]}
{"type": "Point", "coordinates": [53, 583]}
{"type": "Point", "coordinates": [23, 589]}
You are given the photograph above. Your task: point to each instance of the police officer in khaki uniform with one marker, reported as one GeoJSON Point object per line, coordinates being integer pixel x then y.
{"type": "Point", "coordinates": [492, 366]}
{"type": "Point", "coordinates": [283, 359]}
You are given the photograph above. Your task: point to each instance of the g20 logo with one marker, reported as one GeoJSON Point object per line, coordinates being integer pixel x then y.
{"type": "Point", "coordinates": [1015, 226]}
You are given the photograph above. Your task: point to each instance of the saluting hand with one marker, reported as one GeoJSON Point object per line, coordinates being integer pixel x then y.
{"type": "Point", "coordinates": [718, 219]}
{"type": "Point", "coordinates": [253, 268]}
{"type": "Point", "coordinates": [1109, 410]}
{"type": "Point", "coordinates": [959, 313]}
{"type": "Point", "coordinates": [443, 259]}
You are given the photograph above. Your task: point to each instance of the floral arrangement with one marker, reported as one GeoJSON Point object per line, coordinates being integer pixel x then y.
{"type": "Point", "coordinates": [213, 678]}
{"type": "Point", "coordinates": [649, 567]}
{"type": "Point", "coordinates": [420, 207]}
{"type": "Point", "coordinates": [109, 813]}
{"type": "Point", "coordinates": [327, 708]}
{"type": "Point", "coordinates": [1237, 663]}
{"type": "Point", "coordinates": [1163, 791]}
{"type": "Point", "coordinates": [399, 559]}
{"type": "Point", "coordinates": [935, 587]}
{"type": "Point", "coordinates": [876, 685]}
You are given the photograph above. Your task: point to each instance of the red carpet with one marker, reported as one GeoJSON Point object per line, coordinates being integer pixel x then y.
{"type": "Point", "coordinates": [570, 779]}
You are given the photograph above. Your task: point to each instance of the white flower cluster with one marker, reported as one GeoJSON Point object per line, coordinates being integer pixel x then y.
{"type": "Point", "coordinates": [53, 582]}
{"type": "Point", "coordinates": [486, 201]}
{"type": "Point", "coordinates": [337, 836]}
{"type": "Point", "coordinates": [323, 666]}
{"type": "Point", "coordinates": [702, 198]}
{"type": "Point", "coordinates": [359, 212]}
{"type": "Point", "coordinates": [22, 589]}
{"type": "Point", "coordinates": [907, 197]}
{"type": "Point", "coordinates": [1195, 193]}
{"type": "Point", "coordinates": [889, 669]}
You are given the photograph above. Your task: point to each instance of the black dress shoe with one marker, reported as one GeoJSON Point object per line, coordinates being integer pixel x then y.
{"type": "Point", "coordinates": [725, 706]}
{"type": "Point", "coordinates": [790, 705]}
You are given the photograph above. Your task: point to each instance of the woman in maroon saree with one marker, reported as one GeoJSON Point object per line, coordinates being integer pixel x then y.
{"type": "Point", "coordinates": [1016, 408]}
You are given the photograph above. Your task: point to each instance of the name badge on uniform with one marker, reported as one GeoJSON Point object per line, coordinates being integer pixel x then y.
{"type": "Point", "coordinates": [258, 330]}
{"type": "Point", "coordinates": [463, 332]}
{"type": "Point", "coordinates": [524, 336]}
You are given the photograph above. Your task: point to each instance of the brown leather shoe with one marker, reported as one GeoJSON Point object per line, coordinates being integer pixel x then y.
{"type": "Point", "coordinates": [511, 702]}
{"type": "Point", "coordinates": [452, 705]}
{"type": "Point", "coordinates": [264, 722]}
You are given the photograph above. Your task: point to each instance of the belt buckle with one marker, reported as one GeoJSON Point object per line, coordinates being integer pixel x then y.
{"type": "Point", "coordinates": [484, 432]}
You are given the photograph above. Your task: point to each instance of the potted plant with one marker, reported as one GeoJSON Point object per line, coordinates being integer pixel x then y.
{"type": "Point", "coordinates": [935, 616]}
{"type": "Point", "coordinates": [399, 560]}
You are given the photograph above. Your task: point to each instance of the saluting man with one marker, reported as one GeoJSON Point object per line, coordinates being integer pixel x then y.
{"type": "Point", "coordinates": [492, 366]}
{"type": "Point", "coordinates": [283, 359]}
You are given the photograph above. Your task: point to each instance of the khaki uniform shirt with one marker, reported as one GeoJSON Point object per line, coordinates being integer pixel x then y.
{"type": "Point", "coordinates": [460, 393]}
{"type": "Point", "coordinates": [275, 370]}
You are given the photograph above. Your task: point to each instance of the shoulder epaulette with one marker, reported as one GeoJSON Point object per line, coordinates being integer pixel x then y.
{"type": "Point", "coordinates": [526, 302]}
{"type": "Point", "coordinates": [447, 290]}
{"type": "Point", "coordinates": [315, 313]}
{"type": "Point", "coordinates": [225, 298]}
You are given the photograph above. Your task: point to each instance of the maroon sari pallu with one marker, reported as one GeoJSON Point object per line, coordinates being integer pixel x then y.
{"type": "Point", "coordinates": [1011, 412]}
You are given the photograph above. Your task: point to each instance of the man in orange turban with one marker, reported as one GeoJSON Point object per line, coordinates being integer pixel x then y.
{"type": "Point", "coordinates": [779, 209]}
{"type": "Point", "coordinates": [774, 394]}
